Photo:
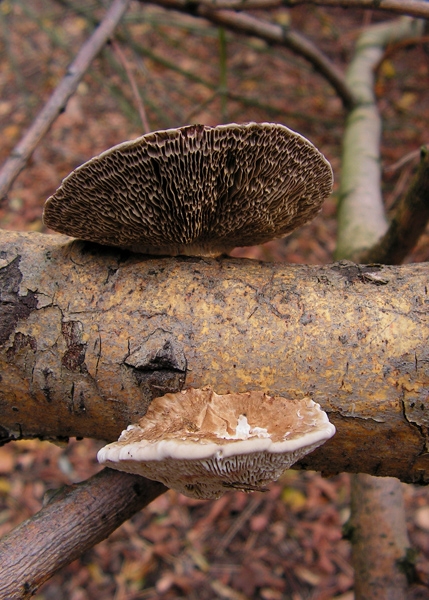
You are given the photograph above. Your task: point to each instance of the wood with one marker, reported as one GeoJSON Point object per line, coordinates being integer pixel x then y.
{"type": "Point", "coordinates": [58, 101]}
{"type": "Point", "coordinates": [378, 533]}
{"type": "Point", "coordinates": [414, 8]}
{"type": "Point", "coordinates": [243, 23]}
{"type": "Point", "coordinates": [361, 214]}
{"type": "Point", "coordinates": [408, 223]}
{"type": "Point", "coordinates": [76, 518]}
{"type": "Point", "coordinates": [89, 335]}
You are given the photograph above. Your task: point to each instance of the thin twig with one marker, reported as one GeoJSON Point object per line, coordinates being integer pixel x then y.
{"type": "Point", "coordinates": [238, 524]}
{"type": "Point", "coordinates": [74, 520]}
{"type": "Point", "coordinates": [413, 8]}
{"type": "Point", "coordinates": [223, 72]}
{"type": "Point", "coordinates": [138, 100]}
{"type": "Point", "coordinates": [275, 34]}
{"type": "Point", "coordinates": [411, 156]}
{"type": "Point", "coordinates": [57, 102]}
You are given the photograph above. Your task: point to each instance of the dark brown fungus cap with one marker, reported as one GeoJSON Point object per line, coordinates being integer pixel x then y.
{"type": "Point", "coordinates": [194, 190]}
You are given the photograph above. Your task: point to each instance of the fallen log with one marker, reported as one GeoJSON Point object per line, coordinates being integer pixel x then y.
{"type": "Point", "coordinates": [90, 335]}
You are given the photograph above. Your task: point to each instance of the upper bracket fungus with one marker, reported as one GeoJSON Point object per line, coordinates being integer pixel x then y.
{"type": "Point", "coordinates": [194, 190]}
{"type": "Point", "coordinates": [203, 444]}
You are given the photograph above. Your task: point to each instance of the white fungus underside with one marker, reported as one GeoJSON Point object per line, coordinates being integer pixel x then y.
{"type": "Point", "coordinates": [211, 477]}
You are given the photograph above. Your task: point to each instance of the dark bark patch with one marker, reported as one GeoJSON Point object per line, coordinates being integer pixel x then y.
{"type": "Point", "coordinates": [354, 273]}
{"type": "Point", "coordinates": [21, 342]}
{"type": "Point", "coordinates": [74, 357]}
{"type": "Point", "coordinates": [13, 307]}
{"type": "Point", "coordinates": [158, 351]}
{"type": "Point", "coordinates": [159, 383]}
{"type": "Point", "coordinates": [5, 436]}
{"type": "Point", "coordinates": [159, 364]}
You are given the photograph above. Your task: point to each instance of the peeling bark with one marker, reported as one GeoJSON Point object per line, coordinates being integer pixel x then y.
{"type": "Point", "coordinates": [103, 332]}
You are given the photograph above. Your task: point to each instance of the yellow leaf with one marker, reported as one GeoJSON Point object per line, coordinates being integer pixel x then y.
{"type": "Point", "coordinates": [4, 486]}
{"type": "Point", "coordinates": [407, 100]}
{"type": "Point", "coordinates": [387, 69]}
{"type": "Point", "coordinates": [293, 498]}
{"type": "Point", "coordinates": [11, 132]}
{"type": "Point", "coordinates": [283, 18]}
{"type": "Point", "coordinates": [95, 572]}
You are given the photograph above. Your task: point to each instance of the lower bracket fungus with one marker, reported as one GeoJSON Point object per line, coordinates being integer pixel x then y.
{"type": "Point", "coordinates": [203, 444]}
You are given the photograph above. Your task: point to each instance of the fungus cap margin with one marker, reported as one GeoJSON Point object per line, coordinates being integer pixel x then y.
{"type": "Point", "coordinates": [203, 444]}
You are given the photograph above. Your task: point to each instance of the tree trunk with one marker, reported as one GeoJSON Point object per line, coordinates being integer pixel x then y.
{"type": "Point", "coordinates": [90, 335]}
{"type": "Point", "coordinates": [379, 536]}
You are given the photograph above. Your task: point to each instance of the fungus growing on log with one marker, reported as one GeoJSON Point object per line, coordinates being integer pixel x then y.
{"type": "Point", "coordinates": [203, 444]}
{"type": "Point", "coordinates": [194, 190]}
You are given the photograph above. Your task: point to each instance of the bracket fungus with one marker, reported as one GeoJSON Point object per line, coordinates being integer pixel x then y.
{"type": "Point", "coordinates": [203, 444]}
{"type": "Point", "coordinates": [194, 190]}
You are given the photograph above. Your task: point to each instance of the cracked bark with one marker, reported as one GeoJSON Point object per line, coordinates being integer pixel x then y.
{"type": "Point", "coordinates": [91, 335]}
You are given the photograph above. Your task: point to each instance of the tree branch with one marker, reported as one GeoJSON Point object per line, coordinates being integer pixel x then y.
{"type": "Point", "coordinates": [413, 8]}
{"type": "Point", "coordinates": [379, 536]}
{"type": "Point", "coordinates": [361, 215]}
{"type": "Point", "coordinates": [409, 221]}
{"type": "Point", "coordinates": [89, 335]}
{"type": "Point", "coordinates": [76, 518]}
{"type": "Point", "coordinates": [274, 34]}
{"type": "Point", "coordinates": [57, 102]}
{"type": "Point", "coordinates": [378, 528]}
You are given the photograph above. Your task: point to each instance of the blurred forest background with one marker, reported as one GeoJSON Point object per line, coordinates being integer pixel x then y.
{"type": "Point", "coordinates": [173, 69]}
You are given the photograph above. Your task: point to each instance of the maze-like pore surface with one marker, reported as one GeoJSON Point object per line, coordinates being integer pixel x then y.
{"type": "Point", "coordinates": [195, 189]}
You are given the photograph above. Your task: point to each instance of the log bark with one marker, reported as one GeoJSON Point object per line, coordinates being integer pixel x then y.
{"type": "Point", "coordinates": [89, 335]}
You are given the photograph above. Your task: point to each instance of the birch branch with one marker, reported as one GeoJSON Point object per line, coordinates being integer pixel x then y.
{"type": "Point", "coordinates": [57, 102]}
{"type": "Point", "coordinates": [361, 215]}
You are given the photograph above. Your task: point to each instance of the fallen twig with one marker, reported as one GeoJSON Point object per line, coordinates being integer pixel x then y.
{"type": "Point", "coordinates": [75, 519]}
{"type": "Point", "coordinates": [411, 156]}
{"type": "Point", "coordinates": [238, 524]}
{"type": "Point", "coordinates": [244, 23]}
{"type": "Point", "coordinates": [413, 8]}
{"type": "Point", "coordinates": [139, 102]}
{"type": "Point", "coordinates": [57, 102]}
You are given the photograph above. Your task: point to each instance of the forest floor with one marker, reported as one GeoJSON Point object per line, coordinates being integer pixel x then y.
{"type": "Point", "coordinates": [286, 543]}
